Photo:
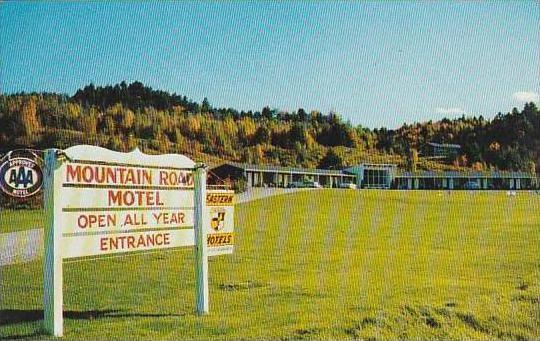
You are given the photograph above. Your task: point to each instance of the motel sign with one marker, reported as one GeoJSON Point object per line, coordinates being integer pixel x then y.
{"type": "Point", "coordinates": [101, 202]}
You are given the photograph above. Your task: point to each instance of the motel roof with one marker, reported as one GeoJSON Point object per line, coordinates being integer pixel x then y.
{"type": "Point", "coordinates": [351, 171]}
{"type": "Point", "coordinates": [464, 174]}
{"type": "Point", "coordinates": [279, 169]}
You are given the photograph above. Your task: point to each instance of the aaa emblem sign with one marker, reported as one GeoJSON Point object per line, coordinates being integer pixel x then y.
{"type": "Point", "coordinates": [20, 177]}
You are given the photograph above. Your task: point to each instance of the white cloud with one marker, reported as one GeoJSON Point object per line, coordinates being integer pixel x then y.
{"type": "Point", "coordinates": [526, 96]}
{"type": "Point", "coordinates": [449, 111]}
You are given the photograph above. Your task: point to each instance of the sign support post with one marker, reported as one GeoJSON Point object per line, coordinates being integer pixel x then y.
{"type": "Point", "coordinates": [201, 245]}
{"type": "Point", "coordinates": [52, 284]}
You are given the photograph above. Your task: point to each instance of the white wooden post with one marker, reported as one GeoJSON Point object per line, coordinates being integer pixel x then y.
{"type": "Point", "coordinates": [52, 282]}
{"type": "Point", "coordinates": [201, 246]}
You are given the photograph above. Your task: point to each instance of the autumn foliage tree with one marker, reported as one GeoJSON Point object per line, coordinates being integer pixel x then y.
{"type": "Point", "coordinates": [123, 116]}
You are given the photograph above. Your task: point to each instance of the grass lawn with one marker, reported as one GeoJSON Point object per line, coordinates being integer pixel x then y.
{"type": "Point", "coordinates": [18, 220]}
{"type": "Point", "coordinates": [324, 264]}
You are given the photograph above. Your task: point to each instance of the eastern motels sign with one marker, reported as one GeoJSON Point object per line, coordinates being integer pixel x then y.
{"type": "Point", "coordinates": [101, 202]}
{"type": "Point", "coordinates": [220, 206]}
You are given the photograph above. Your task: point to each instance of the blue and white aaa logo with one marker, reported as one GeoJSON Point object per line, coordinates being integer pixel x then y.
{"type": "Point", "coordinates": [20, 177]}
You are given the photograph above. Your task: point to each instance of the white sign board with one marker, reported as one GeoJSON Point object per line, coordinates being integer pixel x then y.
{"type": "Point", "coordinates": [102, 202]}
{"type": "Point", "coordinates": [111, 206]}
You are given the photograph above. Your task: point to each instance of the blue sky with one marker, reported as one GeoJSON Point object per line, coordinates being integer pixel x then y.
{"type": "Point", "coordinates": [377, 64]}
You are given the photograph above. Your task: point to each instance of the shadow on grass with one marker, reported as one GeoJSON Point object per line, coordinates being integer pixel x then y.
{"type": "Point", "coordinates": [32, 336]}
{"type": "Point", "coordinates": [15, 316]}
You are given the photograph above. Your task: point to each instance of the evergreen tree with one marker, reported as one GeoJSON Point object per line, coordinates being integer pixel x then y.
{"type": "Point", "coordinates": [331, 160]}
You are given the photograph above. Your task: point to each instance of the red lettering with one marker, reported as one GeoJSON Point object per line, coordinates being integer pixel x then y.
{"type": "Point", "coordinates": [159, 239]}
{"type": "Point", "coordinates": [147, 177]}
{"type": "Point", "coordinates": [134, 242]}
{"type": "Point", "coordinates": [100, 176]}
{"type": "Point", "coordinates": [122, 171]}
{"type": "Point", "coordinates": [129, 198]}
{"type": "Point", "coordinates": [131, 242]}
{"type": "Point", "coordinates": [92, 219]}
{"type": "Point", "coordinates": [103, 244]}
{"type": "Point", "coordinates": [111, 175]}
{"type": "Point", "coordinates": [115, 198]}
{"type": "Point", "coordinates": [163, 179]}
{"type": "Point", "coordinates": [178, 179]}
{"type": "Point", "coordinates": [152, 239]}
{"type": "Point", "coordinates": [88, 174]}
{"type": "Point", "coordinates": [113, 244]}
{"type": "Point", "coordinates": [82, 222]}
{"type": "Point", "coordinates": [73, 174]}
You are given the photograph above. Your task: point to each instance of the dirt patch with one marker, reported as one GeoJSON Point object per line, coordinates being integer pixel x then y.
{"type": "Point", "coordinates": [302, 334]}
{"type": "Point", "coordinates": [473, 322]}
{"type": "Point", "coordinates": [241, 286]}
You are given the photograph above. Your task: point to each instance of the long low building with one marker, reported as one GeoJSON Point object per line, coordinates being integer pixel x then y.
{"type": "Point", "coordinates": [370, 175]}
{"type": "Point", "coordinates": [462, 180]}
{"type": "Point", "coordinates": [274, 176]}
{"type": "Point", "coordinates": [389, 176]}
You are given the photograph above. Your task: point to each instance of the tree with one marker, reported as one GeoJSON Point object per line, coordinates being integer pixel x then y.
{"type": "Point", "coordinates": [302, 115]}
{"type": "Point", "coordinates": [412, 160]}
{"type": "Point", "coordinates": [331, 160]}
{"type": "Point", "coordinates": [532, 168]}
{"type": "Point", "coordinates": [128, 118]}
{"type": "Point", "coordinates": [205, 106]}
{"type": "Point", "coordinates": [88, 123]}
{"type": "Point", "coordinates": [301, 153]}
{"type": "Point", "coordinates": [258, 154]}
{"type": "Point", "coordinates": [246, 130]}
{"type": "Point", "coordinates": [28, 117]}
{"type": "Point", "coordinates": [267, 113]}
{"type": "Point", "coordinates": [262, 135]}
{"type": "Point", "coordinates": [109, 125]}
{"type": "Point", "coordinates": [478, 166]}
{"type": "Point", "coordinates": [297, 134]}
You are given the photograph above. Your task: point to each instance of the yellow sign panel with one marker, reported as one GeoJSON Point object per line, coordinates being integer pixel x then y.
{"type": "Point", "coordinates": [220, 231]}
{"type": "Point", "coordinates": [220, 239]}
{"type": "Point", "coordinates": [220, 199]}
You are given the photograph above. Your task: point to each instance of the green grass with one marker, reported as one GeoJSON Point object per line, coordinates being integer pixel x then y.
{"type": "Point", "coordinates": [18, 220]}
{"type": "Point", "coordinates": [325, 264]}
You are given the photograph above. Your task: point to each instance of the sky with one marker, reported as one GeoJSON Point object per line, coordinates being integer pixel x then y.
{"type": "Point", "coordinates": [375, 63]}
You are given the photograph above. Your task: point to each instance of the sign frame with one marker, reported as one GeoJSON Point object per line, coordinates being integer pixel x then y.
{"type": "Point", "coordinates": [53, 269]}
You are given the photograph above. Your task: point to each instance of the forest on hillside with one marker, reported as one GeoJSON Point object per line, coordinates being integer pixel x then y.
{"type": "Point", "coordinates": [125, 116]}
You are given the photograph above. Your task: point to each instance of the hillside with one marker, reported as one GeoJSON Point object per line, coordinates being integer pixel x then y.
{"type": "Point", "coordinates": [123, 116]}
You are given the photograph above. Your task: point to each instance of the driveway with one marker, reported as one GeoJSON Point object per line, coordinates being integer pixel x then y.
{"type": "Point", "coordinates": [262, 192]}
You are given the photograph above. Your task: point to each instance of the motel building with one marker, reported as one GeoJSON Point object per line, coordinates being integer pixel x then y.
{"type": "Point", "coordinates": [372, 176]}
{"type": "Point", "coordinates": [273, 176]}
{"type": "Point", "coordinates": [494, 180]}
